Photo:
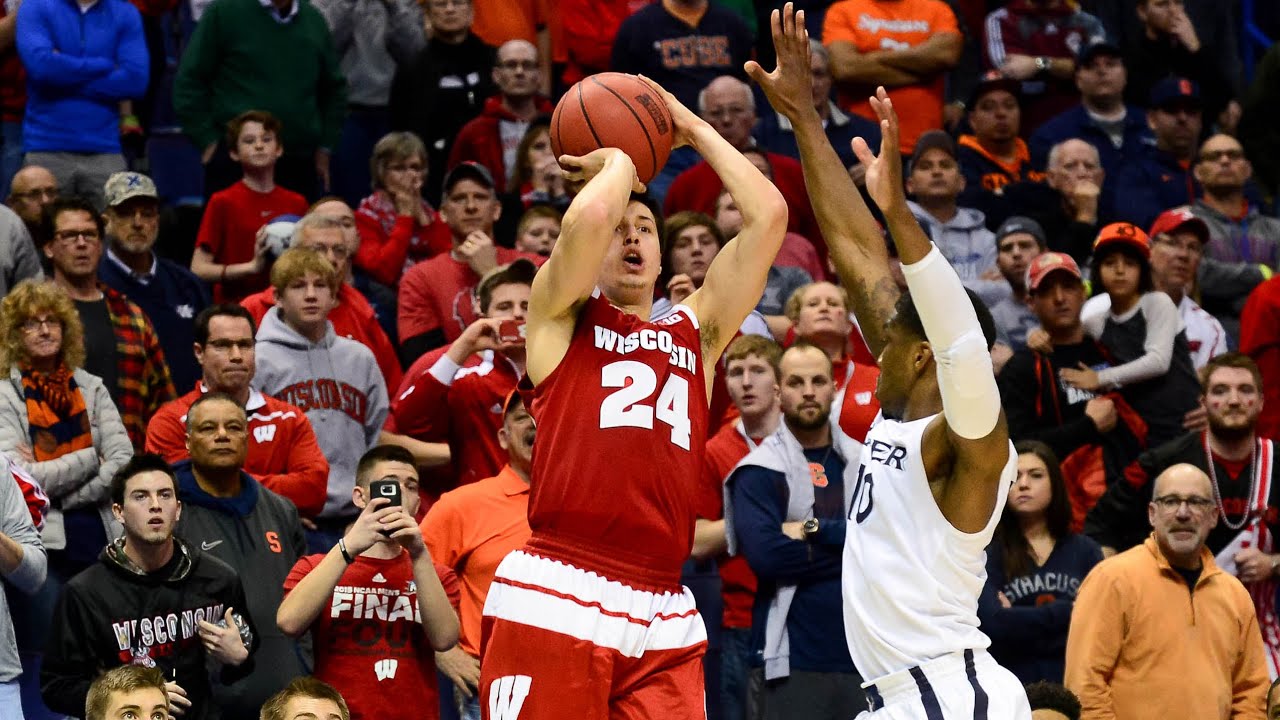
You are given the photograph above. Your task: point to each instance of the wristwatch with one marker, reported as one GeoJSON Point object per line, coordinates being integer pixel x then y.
{"type": "Point", "coordinates": [810, 528]}
{"type": "Point", "coordinates": [1042, 64]}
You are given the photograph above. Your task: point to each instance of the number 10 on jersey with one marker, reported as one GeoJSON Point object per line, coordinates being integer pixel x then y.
{"type": "Point", "coordinates": [630, 404]}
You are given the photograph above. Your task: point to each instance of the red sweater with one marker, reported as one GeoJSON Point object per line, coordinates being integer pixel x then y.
{"type": "Point", "coordinates": [283, 453]}
{"type": "Point", "coordinates": [439, 293]}
{"type": "Point", "coordinates": [352, 318]}
{"type": "Point", "coordinates": [390, 243]}
{"type": "Point", "coordinates": [230, 227]}
{"type": "Point", "coordinates": [1260, 339]}
{"type": "Point", "coordinates": [479, 140]}
{"type": "Point", "coordinates": [699, 187]}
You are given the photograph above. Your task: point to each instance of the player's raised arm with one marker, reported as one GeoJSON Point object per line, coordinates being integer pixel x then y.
{"type": "Point", "coordinates": [853, 236]}
{"type": "Point", "coordinates": [972, 424]}
{"type": "Point", "coordinates": [736, 279]}
{"type": "Point", "coordinates": [607, 178]}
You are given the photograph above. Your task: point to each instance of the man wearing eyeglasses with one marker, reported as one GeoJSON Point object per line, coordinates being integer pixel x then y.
{"type": "Point", "coordinates": [167, 292]}
{"type": "Point", "coordinates": [121, 345]}
{"type": "Point", "coordinates": [492, 138]}
{"type": "Point", "coordinates": [1164, 631]}
{"type": "Point", "coordinates": [32, 189]}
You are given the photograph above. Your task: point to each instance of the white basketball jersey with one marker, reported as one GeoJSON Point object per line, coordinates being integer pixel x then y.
{"type": "Point", "coordinates": [910, 579]}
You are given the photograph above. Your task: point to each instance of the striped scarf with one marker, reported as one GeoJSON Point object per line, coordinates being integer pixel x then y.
{"type": "Point", "coordinates": [56, 417]}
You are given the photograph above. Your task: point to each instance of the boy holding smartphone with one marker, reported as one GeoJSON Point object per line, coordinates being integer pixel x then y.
{"type": "Point", "coordinates": [376, 604]}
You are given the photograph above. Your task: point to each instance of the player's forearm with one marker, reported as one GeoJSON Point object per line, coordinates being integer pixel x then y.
{"type": "Point", "coordinates": [757, 198]}
{"type": "Point", "coordinates": [908, 236]}
{"type": "Point", "coordinates": [853, 236]}
{"type": "Point", "coordinates": [307, 599]}
{"type": "Point", "coordinates": [439, 621]}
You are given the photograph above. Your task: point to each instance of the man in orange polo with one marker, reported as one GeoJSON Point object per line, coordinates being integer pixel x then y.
{"type": "Point", "coordinates": [471, 530]}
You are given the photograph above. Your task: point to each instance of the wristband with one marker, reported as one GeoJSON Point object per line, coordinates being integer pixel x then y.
{"type": "Point", "coordinates": [346, 555]}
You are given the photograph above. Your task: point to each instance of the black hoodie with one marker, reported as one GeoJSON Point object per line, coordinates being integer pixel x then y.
{"type": "Point", "coordinates": [116, 614]}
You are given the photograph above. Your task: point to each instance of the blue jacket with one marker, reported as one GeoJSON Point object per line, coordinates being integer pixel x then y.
{"type": "Point", "coordinates": [1149, 183]}
{"type": "Point", "coordinates": [79, 67]}
{"type": "Point", "coordinates": [171, 300]}
{"type": "Point", "coordinates": [775, 133]}
{"type": "Point", "coordinates": [1076, 123]}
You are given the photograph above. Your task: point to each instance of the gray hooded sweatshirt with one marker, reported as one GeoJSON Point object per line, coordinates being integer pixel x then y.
{"type": "Point", "coordinates": [970, 247]}
{"type": "Point", "coordinates": [338, 384]}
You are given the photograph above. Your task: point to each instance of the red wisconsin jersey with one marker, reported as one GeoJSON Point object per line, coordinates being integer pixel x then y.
{"type": "Point", "coordinates": [622, 425]}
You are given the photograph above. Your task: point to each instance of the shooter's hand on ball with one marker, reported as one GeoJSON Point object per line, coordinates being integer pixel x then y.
{"type": "Point", "coordinates": [686, 121]}
{"type": "Point", "coordinates": [578, 171]}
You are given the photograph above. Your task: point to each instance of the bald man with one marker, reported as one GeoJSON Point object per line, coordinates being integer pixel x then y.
{"type": "Point", "coordinates": [1160, 631]}
{"type": "Point", "coordinates": [31, 189]}
{"type": "Point", "coordinates": [491, 139]}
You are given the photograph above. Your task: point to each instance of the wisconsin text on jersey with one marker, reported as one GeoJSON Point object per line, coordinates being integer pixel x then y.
{"type": "Point", "coordinates": [647, 339]}
{"type": "Point", "coordinates": [326, 394]}
{"type": "Point", "coordinates": [160, 633]}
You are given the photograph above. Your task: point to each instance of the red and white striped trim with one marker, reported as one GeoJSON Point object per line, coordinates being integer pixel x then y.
{"type": "Point", "coordinates": [552, 595]}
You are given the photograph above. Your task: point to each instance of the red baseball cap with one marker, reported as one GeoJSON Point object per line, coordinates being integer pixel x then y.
{"type": "Point", "coordinates": [1178, 218]}
{"type": "Point", "coordinates": [1126, 234]}
{"type": "Point", "coordinates": [1049, 262]}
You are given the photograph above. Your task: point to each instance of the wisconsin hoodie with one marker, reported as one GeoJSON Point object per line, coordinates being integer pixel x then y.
{"type": "Point", "coordinates": [258, 534]}
{"type": "Point", "coordinates": [114, 613]}
{"type": "Point", "coordinates": [969, 246]}
{"type": "Point", "coordinates": [337, 383]}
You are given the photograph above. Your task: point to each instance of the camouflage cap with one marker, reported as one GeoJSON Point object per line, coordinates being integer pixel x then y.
{"type": "Point", "coordinates": [123, 186]}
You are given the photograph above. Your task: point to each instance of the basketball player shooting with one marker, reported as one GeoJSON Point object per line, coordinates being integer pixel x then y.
{"type": "Point", "coordinates": [936, 468]}
{"type": "Point", "coordinates": [589, 619]}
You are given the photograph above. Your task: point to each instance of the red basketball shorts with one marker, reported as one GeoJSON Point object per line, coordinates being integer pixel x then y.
{"type": "Point", "coordinates": [560, 642]}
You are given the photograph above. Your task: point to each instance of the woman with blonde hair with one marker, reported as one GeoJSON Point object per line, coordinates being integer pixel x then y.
{"type": "Point", "coordinates": [58, 422]}
{"type": "Point", "coordinates": [397, 227]}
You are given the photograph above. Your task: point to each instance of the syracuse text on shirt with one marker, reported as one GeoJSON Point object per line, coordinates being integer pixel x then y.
{"type": "Point", "coordinates": [694, 51]}
{"type": "Point", "coordinates": [327, 394]}
{"type": "Point", "coordinates": [647, 339]}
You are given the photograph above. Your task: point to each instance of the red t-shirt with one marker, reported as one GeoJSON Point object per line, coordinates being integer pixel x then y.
{"type": "Point", "coordinates": [230, 227]}
{"type": "Point", "coordinates": [737, 583]}
{"type": "Point", "coordinates": [467, 411]}
{"type": "Point", "coordinates": [439, 293]}
{"type": "Point", "coordinates": [283, 453]}
{"type": "Point", "coordinates": [369, 642]}
{"type": "Point", "coordinates": [622, 428]}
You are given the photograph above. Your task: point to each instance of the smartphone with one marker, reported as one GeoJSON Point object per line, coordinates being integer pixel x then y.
{"type": "Point", "coordinates": [511, 332]}
{"type": "Point", "coordinates": [387, 487]}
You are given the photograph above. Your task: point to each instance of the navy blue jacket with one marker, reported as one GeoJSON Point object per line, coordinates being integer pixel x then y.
{"type": "Point", "coordinates": [171, 301]}
{"type": "Point", "coordinates": [1030, 638]}
{"type": "Point", "coordinates": [79, 67]}
{"type": "Point", "coordinates": [1149, 183]}
{"type": "Point", "coordinates": [815, 623]}
{"type": "Point", "coordinates": [774, 133]}
{"type": "Point", "coordinates": [1076, 123]}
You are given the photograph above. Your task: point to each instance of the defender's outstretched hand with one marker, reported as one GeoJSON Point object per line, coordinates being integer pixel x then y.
{"type": "Point", "coordinates": [686, 121]}
{"type": "Point", "coordinates": [789, 87]}
{"type": "Point", "coordinates": [884, 172]}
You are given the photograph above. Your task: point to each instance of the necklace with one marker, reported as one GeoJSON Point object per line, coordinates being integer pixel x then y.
{"type": "Point", "coordinates": [1253, 484]}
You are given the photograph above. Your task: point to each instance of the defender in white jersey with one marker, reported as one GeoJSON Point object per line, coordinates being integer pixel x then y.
{"type": "Point", "coordinates": [937, 466]}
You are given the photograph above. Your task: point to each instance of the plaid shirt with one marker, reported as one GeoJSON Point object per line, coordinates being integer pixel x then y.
{"type": "Point", "coordinates": [143, 381]}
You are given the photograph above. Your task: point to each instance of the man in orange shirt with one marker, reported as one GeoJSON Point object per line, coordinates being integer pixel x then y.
{"type": "Point", "coordinates": [905, 45]}
{"type": "Point", "coordinates": [471, 530]}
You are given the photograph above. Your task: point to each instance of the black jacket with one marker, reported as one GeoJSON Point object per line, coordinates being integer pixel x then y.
{"type": "Point", "coordinates": [258, 534]}
{"type": "Point", "coordinates": [115, 614]}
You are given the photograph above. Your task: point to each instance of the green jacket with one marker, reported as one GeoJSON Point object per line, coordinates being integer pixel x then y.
{"type": "Point", "coordinates": [241, 58]}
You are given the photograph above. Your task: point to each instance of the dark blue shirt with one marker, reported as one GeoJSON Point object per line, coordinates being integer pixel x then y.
{"type": "Point", "coordinates": [171, 299]}
{"type": "Point", "coordinates": [1030, 638]}
{"type": "Point", "coordinates": [815, 622]}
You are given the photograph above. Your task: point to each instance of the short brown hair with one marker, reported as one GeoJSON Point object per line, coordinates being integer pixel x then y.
{"type": "Point", "coordinates": [269, 122]}
{"type": "Point", "coordinates": [534, 213]}
{"type": "Point", "coordinates": [796, 301]}
{"type": "Point", "coordinates": [304, 686]}
{"type": "Point", "coordinates": [1231, 360]}
{"type": "Point", "coordinates": [757, 345]}
{"type": "Point", "coordinates": [517, 272]}
{"type": "Point", "coordinates": [123, 679]}
{"type": "Point", "coordinates": [297, 262]}
{"type": "Point", "coordinates": [392, 147]}
{"type": "Point", "coordinates": [28, 299]}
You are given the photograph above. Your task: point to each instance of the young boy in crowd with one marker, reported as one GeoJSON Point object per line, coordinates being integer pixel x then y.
{"type": "Point", "coordinates": [230, 250]}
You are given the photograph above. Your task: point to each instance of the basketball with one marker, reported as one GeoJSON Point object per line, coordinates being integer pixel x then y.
{"type": "Point", "coordinates": [614, 110]}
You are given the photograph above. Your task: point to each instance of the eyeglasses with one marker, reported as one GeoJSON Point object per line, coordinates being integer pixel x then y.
{"type": "Point", "coordinates": [1171, 503]}
{"type": "Point", "coordinates": [147, 212]}
{"type": "Point", "coordinates": [37, 193]}
{"type": "Point", "coordinates": [442, 4]}
{"type": "Point", "coordinates": [528, 65]}
{"type": "Point", "coordinates": [406, 167]}
{"type": "Point", "coordinates": [728, 112]}
{"type": "Point", "coordinates": [1191, 248]}
{"type": "Point", "coordinates": [1232, 154]}
{"type": "Point", "coordinates": [70, 236]}
{"type": "Point", "coordinates": [38, 324]}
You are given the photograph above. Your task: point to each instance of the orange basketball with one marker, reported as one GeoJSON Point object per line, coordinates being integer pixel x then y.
{"type": "Point", "coordinates": [614, 110]}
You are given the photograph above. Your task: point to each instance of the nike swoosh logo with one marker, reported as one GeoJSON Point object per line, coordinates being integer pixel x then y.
{"type": "Point", "coordinates": [210, 545]}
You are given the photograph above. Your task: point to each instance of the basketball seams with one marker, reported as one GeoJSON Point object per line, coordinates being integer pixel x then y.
{"type": "Point", "coordinates": [582, 107]}
{"type": "Point", "coordinates": [653, 153]}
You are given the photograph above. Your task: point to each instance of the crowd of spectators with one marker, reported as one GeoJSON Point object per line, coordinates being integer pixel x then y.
{"type": "Point", "coordinates": [206, 417]}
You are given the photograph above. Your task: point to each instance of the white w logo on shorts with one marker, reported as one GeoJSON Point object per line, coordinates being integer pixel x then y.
{"type": "Point", "coordinates": [507, 695]}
